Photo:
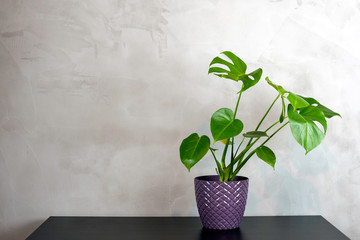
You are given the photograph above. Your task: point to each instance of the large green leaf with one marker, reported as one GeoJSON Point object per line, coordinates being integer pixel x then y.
{"type": "Point", "coordinates": [267, 155]}
{"type": "Point", "coordinates": [328, 112]}
{"type": "Point", "coordinates": [234, 70]}
{"type": "Point", "coordinates": [193, 149]}
{"type": "Point", "coordinates": [255, 134]}
{"type": "Point", "coordinates": [304, 128]}
{"type": "Point", "coordinates": [313, 114]}
{"type": "Point", "coordinates": [296, 101]}
{"type": "Point", "coordinates": [223, 125]}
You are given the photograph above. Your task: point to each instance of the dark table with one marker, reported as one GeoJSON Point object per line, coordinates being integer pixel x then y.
{"type": "Point", "coordinates": [184, 228]}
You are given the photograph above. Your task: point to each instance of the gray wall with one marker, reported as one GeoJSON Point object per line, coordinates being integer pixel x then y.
{"type": "Point", "coordinates": [96, 96]}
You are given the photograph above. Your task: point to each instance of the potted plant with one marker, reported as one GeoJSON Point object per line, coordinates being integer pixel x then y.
{"type": "Point", "coordinates": [221, 198]}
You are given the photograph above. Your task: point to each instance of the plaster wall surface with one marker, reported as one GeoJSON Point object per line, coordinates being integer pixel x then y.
{"type": "Point", "coordinates": [96, 96]}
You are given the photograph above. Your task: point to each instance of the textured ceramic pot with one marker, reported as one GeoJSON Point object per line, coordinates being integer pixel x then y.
{"type": "Point", "coordinates": [221, 205]}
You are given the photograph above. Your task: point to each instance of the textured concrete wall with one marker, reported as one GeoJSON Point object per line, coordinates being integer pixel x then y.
{"type": "Point", "coordinates": [96, 96]}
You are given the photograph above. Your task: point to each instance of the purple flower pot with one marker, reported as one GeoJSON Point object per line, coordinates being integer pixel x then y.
{"type": "Point", "coordinates": [221, 205]}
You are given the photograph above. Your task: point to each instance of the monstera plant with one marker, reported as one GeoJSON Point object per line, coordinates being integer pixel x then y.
{"type": "Point", "coordinates": [305, 116]}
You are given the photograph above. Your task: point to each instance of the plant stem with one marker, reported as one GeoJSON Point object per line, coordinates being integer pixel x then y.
{"type": "Point", "coordinates": [224, 154]}
{"type": "Point", "coordinates": [239, 146]}
{"type": "Point", "coordinates": [262, 119]}
{"type": "Point", "coordinates": [247, 148]}
{"type": "Point", "coordinates": [220, 171]}
{"type": "Point", "coordinates": [232, 157]}
{"type": "Point", "coordinates": [226, 175]}
{"type": "Point", "coordinates": [274, 133]}
{"type": "Point", "coordinates": [273, 125]}
{"type": "Point", "coordinates": [243, 152]}
{"type": "Point", "coordinates": [232, 148]}
{"type": "Point", "coordinates": [242, 163]}
{"type": "Point", "coordinates": [237, 105]}
{"type": "Point", "coordinates": [272, 104]}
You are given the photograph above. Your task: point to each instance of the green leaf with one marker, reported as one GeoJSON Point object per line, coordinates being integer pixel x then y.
{"type": "Point", "coordinates": [193, 149]}
{"type": "Point", "coordinates": [235, 70]}
{"type": "Point", "coordinates": [255, 134]}
{"type": "Point", "coordinates": [281, 119]}
{"type": "Point", "coordinates": [230, 76]}
{"type": "Point", "coordinates": [267, 155]}
{"type": "Point", "coordinates": [328, 112]}
{"type": "Point", "coordinates": [297, 101]}
{"type": "Point", "coordinates": [236, 60]}
{"type": "Point", "coordinates": [314, 114]}
{"type": "Point", "coordinates": [248, 82]}
{"type": "Point", "coordinates": [278, 88]}
{"type": "Point", "coordinates": [223, 125]}
{"type": "Point", "coordinates": [283, 110]}
{"type": "Point", "coordinates": [232, 67]}
{"type": "Point", "coordinates": [304, 128]}
{"type": "Point", "coordinates": [226, 141]}
{"type": "Point", "coordinates": [218, 70]}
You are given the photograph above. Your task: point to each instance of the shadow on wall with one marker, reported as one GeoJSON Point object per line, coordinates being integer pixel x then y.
{"type": "Point", "coordinates": [20, 231]}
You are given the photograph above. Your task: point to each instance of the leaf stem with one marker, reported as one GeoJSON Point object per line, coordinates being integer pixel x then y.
{"type": "Point", "coordinates": [243, 152]}
{"type": "Point", "coordinates": [272, 104]}
{"type": "Point", "coordinates": [239, 146]}
{"type": "Point", "coordinates": [237, 105]}
{"type": "Point", "coordinates": [232, 157]}
{"type": "Point", "coordinates": [247, 148]}
{"type": "Point", "coordinates": [220, 171]}
{"type": "Point", "coordinates": [262, 119]}
{"type": "Point", "coordinates": [242, 163]}
{"type": "Point", "coordinates": [274, 133]}
{"type": "Point", "coordinates": [232, 147]}
{"type": "Point", "coordinates": [224, 154]}
{"type": "Point", "coordinates": [273, 125]}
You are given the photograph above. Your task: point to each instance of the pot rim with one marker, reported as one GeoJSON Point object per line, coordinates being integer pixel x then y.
{"type": "Point", "coordinates": [215, 178]}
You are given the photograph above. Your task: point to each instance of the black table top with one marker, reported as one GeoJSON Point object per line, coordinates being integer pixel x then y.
{"type": "Point", "coordinates": [184, 228]}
